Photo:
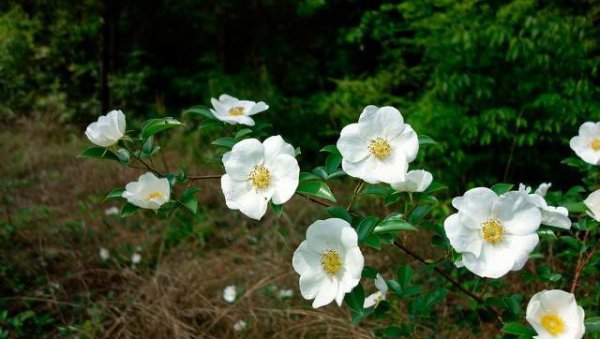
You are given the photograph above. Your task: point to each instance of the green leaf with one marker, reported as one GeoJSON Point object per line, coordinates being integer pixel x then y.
{"type": "Point", "coordinates": [356, 299]}
{"type": "Point", "coordinates": [333, 163]}
{"type": "Point", "coordinates": [331, 149]}
{"type": "Point", "coordinates": [277, 209]}
{"type": "Point", "coordinates": [404, 275]}
{"type": "Point", "coordinates": [189, 200]}
{"type": "Point", "coordinates": [372, 241]}
{"type": "Point", "coordinates": [148, 146]}
{"type": "Point", "coordinates": [377, 190]}
{"type": "Point", "coordinates": [574, 207]}
{"type": "Point", "coordinates": [369, 272]}
{"type": "Point", "coordinates": [242, 133]}
{"type": "Point", "coordinates": [226, 142]}
{"type": "Point", "coordinates": [98, 153]}
{"type": "Point", "coordinates": [201, 111]}
{"type": "Point", "coordinates": [393, 226]}
{"type": "Point", "coordinates": [123, 155]}
{"type": "Point", "coordinates": [426, 140]}
{"type": "Point", "coordinates": [317, 189]}
{"type": "Point", "coordinates": [592, 325]}
{"type": "Point", "coordinates": [306, 176]}
{"type": "Point", "coordinates": [128, 209]}
{"type": "Point", "coordinates": [114, 194]}
{"type": "Point", "coordinates": [339, 212]}
{"type": "Point", "coordinates": [154, 126]}
{"type": "Point", "coordinates": [517, 329]}
{"type": "Point", "coordinates": [501, 188]}
{"type": "Point", "coordinates": [365, 227]}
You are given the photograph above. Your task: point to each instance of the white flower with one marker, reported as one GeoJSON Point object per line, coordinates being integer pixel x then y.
{"type": "Point", "coordinates": [554, 314]}
{"type": "Point", "coordinates": [239, 326]}
{"type": "Point", "coordinates": [285, 293]}
{"type": "Point", "coordinates": [379, 147]}
{"type": "Point", "coordinates": [136, 258]}
{"type": "Point", "coordinates": [104, 254]}
{"type": "Point", "coordinates": [415, 181]}
{"type": "Point", "coordinates": [148, 192]}
{"type": "Point", "coordinates": [234, 111]}
{"type": "Point", "coordinates": [592, 202]}
{"type": "Point", "coordinates": [329, 261]}
{"type": "Point", "coordinates": [257, 173]}
{"type": "Point", "coordinates": [551, 216]}
{"type": "Point", "coordinates": [543, 188]}
{"type": "Point", "coordinates": [230, 293]}
{"type": "Point", "coordinates": [107, 130]}
{"type": "Point", "coordinates": [495, 234]}
{"type": "Point", "coordinates": [113, 210]}
{"type": "Point", "coordinates": [587, 144]}
{"type": "Point", "coordinates": [375, 298]}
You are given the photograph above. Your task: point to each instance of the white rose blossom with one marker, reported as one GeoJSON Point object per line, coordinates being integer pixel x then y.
{"type": "Point", "coordinates": [148, 192]}
{"type": "Point", "coordinates": [495, 234]}
{"type": "Point", "coordinates": [554, 314]}
{"type": "Point", "coordinates": [230, 293]}
{"type": "Point", "coordinates": [258, 172]}
{"type": "Point", "coordinates": [592, 202]}
{"type": "Point", "coordinates": [415, 181]}
{"type": "Point", "coordinates": [329, 261]}
{"type": "Point", "coordinates": [375, 298]}
{"type": "Point", "coordinates": [551, 216]}
{"type": "Point", "coordinates": [379, 147]}
{"type": "Point", "coordinates": [108, 130]}
{"type": "Point", "coordinates": [587, 144]}
{"type": "Point", "coordinates": [234, 111]}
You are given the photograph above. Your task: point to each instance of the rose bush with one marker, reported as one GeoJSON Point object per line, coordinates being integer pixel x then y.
{"type": "Point", "coordinates": [494, 232]}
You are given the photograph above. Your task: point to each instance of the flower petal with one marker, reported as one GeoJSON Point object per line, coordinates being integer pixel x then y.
{"type": "Point", "coordinates": [242, 158]}
{"type": "Point", "coordinates": [353, 145]}
{"type": "Point", "coordinates": [517, 213]}
{"type": "Point", "coordinates": [462, 238]}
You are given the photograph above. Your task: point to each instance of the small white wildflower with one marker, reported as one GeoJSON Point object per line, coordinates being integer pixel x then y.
{"type": "Point", "coordinates": [240, 325]}
{"type": "Point", "coordinates": [136, 258]}
{"type": "Point", "coordinates": [285, 293]}
{"type": "Point", "coordinates": [113, 210]}
{"type": "Point", "coordinates": [104, 254]}
{"type": "Point", "coordinates": [230, 293]}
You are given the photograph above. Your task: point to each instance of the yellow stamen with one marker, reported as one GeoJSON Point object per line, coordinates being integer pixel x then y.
{"type": "Point", "coordinates": [492, 231]}
{"type": "Point", "coordinates": [154, 195]}
{"type": "Point", "coordinates": [553, 324]}
{"type": "Point", "coordinates": [331, 262]}
{"type": "Point", "coordinates": [380, 148]}
{"type": "Point", "coordinates": [260, 177]}
{"type": "Point", "coordinates": [595, 144]}
{"type": "Point", "coordinates": [236, 111]}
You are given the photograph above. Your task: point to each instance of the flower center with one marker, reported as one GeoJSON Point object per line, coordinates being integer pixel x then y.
{"type": "Point", "coordinates": [553, 324]}
{"type": "Point", "coordinates": [260, 177]}
{"type": "Point", "coordinates": [380, 148]}
{"type": "Point", "coordinates": [154, 195]}
{"type": "Point", "coordinates": [236, 111]}
{"type": "Point", "coordinates": [331, 262]}
{"type": "Point", "coordinates": [595, 144]}
{"type": "Point", "coordinates": [492, 231]}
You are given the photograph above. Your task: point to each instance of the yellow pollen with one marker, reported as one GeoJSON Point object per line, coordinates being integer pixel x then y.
{"type": "Point", "coordinates": [236, 111]}
{"type": "Point", "coordinates": [380, 148]}
{"type": "Point", "coordinates": [595, 144]}
{"type": "Point", "coordinates": [492, 231]}
{"type": "Point", "coordinates": [154, 195]}
{"type": "Point", "coordinates": [260, 177]}
{"type": "Point", "coordinates": [331, 262]}
{"type": "Point", "coordinates": [553, 324]}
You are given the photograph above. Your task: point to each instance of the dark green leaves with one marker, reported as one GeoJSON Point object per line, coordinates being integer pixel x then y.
{"type": "Point", "coordinates": [98, 153]}
{"type": "Point", "coordinates": [153, 126]}
{"type": "Point", "coordinates": [518, 330]}
{"type": "Point", "coordinates": [188, 199]}
{"type": "Point", "coordinates": [201, 111]}
{"type": "Point", "coordinates": [114, 194]}
{"type": "Point", "coordinates": [128, 209]}
{"type": "Point", "coordinates": [501, 188]}
{"type": "Point", "coordinates": [592, 325]}
{"type": "Point", "coordinates": [310, 185]}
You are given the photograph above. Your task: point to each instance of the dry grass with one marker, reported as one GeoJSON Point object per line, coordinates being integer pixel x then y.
{"type": "Point", "coordinates": [176, 292]}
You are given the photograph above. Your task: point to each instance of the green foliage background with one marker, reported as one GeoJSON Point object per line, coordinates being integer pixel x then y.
{"type": "Point", "coordinates": [502, 85]}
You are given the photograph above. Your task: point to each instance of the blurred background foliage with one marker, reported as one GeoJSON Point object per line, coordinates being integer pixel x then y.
{"type": "Point", "coordinates": [505, 82]}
